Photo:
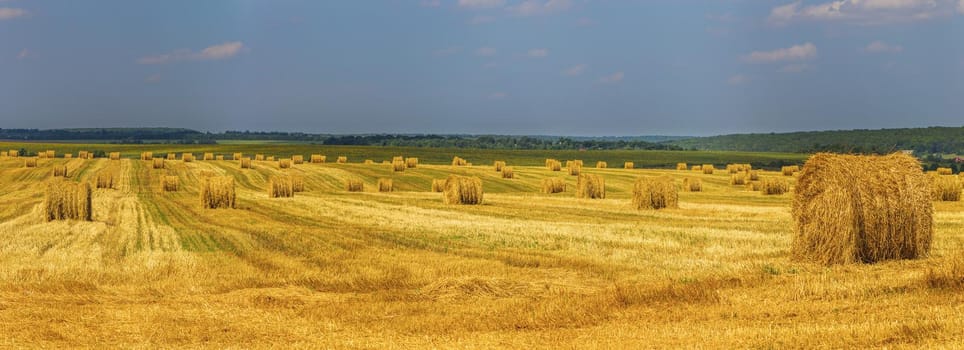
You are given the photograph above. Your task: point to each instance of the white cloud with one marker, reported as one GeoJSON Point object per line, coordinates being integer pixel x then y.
{"type": "Point", "coordinates": [211, 53]}
{"type": "Point", "coordinates": [537, 53]}
{"type": "Point", "coordinates": [794, 53]}
{"type": "Point", "coordinates": [447, 51]}
{"type": "Point", "coordinates": [862, 11]}
{"type": "Point", "coordinates": [486, 51]}
{"type": "Point", "coordinates": [24, 54]}
{"type": "Point", "coordinates": [499, 95]}
{"type": "Point", "coordinates": [481, 3]}
{"type": "Point", "coordinates": [539, 7]}
{"type": "Point", "coordinates": [738, 79]}
{"type": "Point", "coordinates": [153, 78]}
{"type": "Point", "coordinates": [575, 70]}
{"type": "Point", "coordinates": [795, 68]}
{"type": "Point", "coordinates": [11, 13]}
{"type": "Point", "coordinates": [882, 47]}
{"type": "Point", "coordinates": [612, 78]}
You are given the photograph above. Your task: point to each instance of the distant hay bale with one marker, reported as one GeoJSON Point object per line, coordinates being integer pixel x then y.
{"type": "Point", "coordinates": [169, 183]}
{"type": "Point", "coordinates": [187, 157]}
{"type": "Point", "coordinates": [284, 164]}
{"type": "Point", "coordinates": [354, 184]}
{"type": "Point", "coordinates": [115, 155]}
{"type": "Point", "coordinates": [692, 185]}
{"type": "Point", "coordinates": [590, 186]}
{"type": "Point", "coordinates": [754, 186]}
{"type": "Point", "coordinates": [207, 156]}
{"type": "Point", "coordinates": [280, 186]}
{"type": "Point", "coordinates": [655, 193]}
{"type": "Point", "coordinates": [498, 165]}
{"type": "Point", "coordinates": [774, 186]}
{"type": "Point", "coordinates": [553, 185]}
{"type": "Point", "coordinates": [456, 161]}
{"type": "Point", "coordinates": [269, 159]}
{"type": "Point", "coordinates": [574, 168]}
{"type": "Point", "coordinates": [147, 155]}
{"type": "Point", "coordinates": [51, 154]}
{"type": "Point", "coordinates": [553, 165]}
{"type": "Point", "coordinates": [41, 155]}
{"type": "Point", "coordinates": [851, 209]}
{"type": "Point", "coordinates": [945, 171]}
{"type": "Point", "coordinates": [946, 188]}
{"type": "Point", "coordinates": [237, 156]}
{"type": "Point", "coordinates": [398, 165]}
{"type": "Point", "coordinates": [372, 162]}
{"type": "Point", "coordinates": [578, 162]}
{"type": "Point", "coordinates": [171, 156]}
{"type": "Point", "coordinates": [60, 170]}
{"type": "Point", "coordinates": [398, 159]}
{"type": "Point", "coordinates": [259, 157]}
{"type": "Point", "coordinates": [789, 170]}
{"type": "Point", "coordinates": [66, 200]}
{"type": "Point", "coordinates": [438, 185]}
{"type": "Point", "coordinates": [681, 166]}
{"type": "Point", "coordinates": [738, 179]}
{"type": "Point", "coordinates": [508, 173]}
{"type": "Point", "coordinates": [697, 168]}
{"type": "Point", "coordinates": [298, 159]}
{"type": "Point", "coordinates": [80, 155]}
{"type": "Point", "coordinates": [107, 178]}
{"type": "Point", "coordinates": [629, 165]}
{"type": "Point", "coordinates": [462, 190]}
{"type": "Point", "coordinates": [219, 157]}
{"type": "Point", "coordinates": [734, 168]}
{"type": "Point", "coordinates": [753, 175]}
{"type": "Point", "coordinates": [217, 192]}
{"type": "Point", "coordinates": [411, 162]}
{"type": "Point", "coordinates": [708, 169]}
{"type": "Point", "coordinates": [13, 153]}
{"type": "Point", "coordinates": [157, 163]}
{"type": "Point", "coordinates": [246, 163]}
{"type": "Point", "coordinates": [317, 159]}
{"type": "Point", "coordinates": [385, 185]}
{"type": "Point", "coordinates": [341, 160]}
{"type": "Point", "coordinates": [30, 162]}
{"type": "Point", "coordinates": [4, 154]}
{"type": "Point", "coordinates": [68, 156]}
{"type": "Point", "coordinates": [601, 165]}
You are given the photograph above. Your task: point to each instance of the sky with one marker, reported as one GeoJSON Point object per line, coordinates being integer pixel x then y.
{"type": "Point", "coordinates": [535, 67]}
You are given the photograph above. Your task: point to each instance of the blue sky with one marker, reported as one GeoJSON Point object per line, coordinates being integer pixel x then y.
{"type": "Point", "coordinates": [556, 67]}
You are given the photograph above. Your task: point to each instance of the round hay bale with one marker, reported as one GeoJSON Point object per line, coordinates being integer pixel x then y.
{"type": "Point", "coordinates": [850, 208]}
{"type": "Point", "coordinates": [590, 186]}
{"type": "Point", "coordinates": [553, 185]}
{"type": "Point", "coordinates": [462, 190]}
{"type": "Point", "coordinates": [655, 193]}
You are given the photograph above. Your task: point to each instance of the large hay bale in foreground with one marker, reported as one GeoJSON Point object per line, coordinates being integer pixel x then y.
{"type": "Point", "coordinates": [850, 208]}
{"type": "Point", "coordinates": [590, 186]}
{"type": "Point", "coordinates": [217, 192]}
{"type": "Point", "coordinates": [385, 185]}
{"type": "Point", "coordinates": [438, 185]}
{"type": "Point", "coordinates": [169, 183]}
{"type": "Point", "coordinates": [946, 188]}
{"type": "Point", "coordinates": [508, 173]}
{"type": "Point", "coordinates": [462, 190]}
{"type": "Point", "coordinates": [692, 185]}
{"type": "Point", "coordinates": [354, 184]}
{"type": "Point", "coordinates": [774, 186]}
{"type": "Point", "coordinates": [553, 185]}
{"type": "Point", "coordinates": [66, 200]}
{"type": "Point", "coordinates": [280, 186]}
{"type": "Point", "coordinates": [655, 193]}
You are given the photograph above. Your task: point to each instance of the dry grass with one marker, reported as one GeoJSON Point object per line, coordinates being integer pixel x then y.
{"type": "Point", "coordinates": [553, 185]}
{"type": "Point", "coordinates": [692, 185]}
{"type": "Point", "coordinates": [655, 193]}
{"type": "Point", "coordinates": [157, 163]}
{"type": "Point", "coordinates": [60, 170]}
{"type": "Point", "coordinates": [947, 274]}
{"type": "Point", "coordinates": [317, 158]}
{"type": "Point", "coordinates": [169, 183]}
{"type": "Point", "coordinates": [738, 179]}
{"type": "Point", "coordinates": [4, 154]}
{"type": "Point", "coordinates": [107, 178]}
{"type": "Point", "coordinates": [438, 185]}
{"type": "Point", "coordinates": [508, 173]}
{"type": "Point", "coordinates": [30, 162]}
{"type": "Point", "coordinates": [284, 164]}
{"type": "Point", "coordinates": [590, 186]}
{"type": "Point", "coordinates": [681, 166]}
{"type": "Point", "coordinates": [280, 186]}
{"type": "Point", "coordinates": [456, 161]}
{"type": "Point", "coordinates": [115, 155]}
{"type": "Point", "coordinates": [66, 200]}
{"type": "Point", "coordinates": [354, 184]}
{"type": "Point", "coordinates": [850, 208]}
{"type": "Point", "coordinates": [385, 185]}
{"type": "Point", "coordinates": [945, 188]}
{"type": "Point", "coordinates": [601, 165]}
{"type": "Point", "coordinates": [217, 192]}
{"type": "Point", "coordinates": [411, 162]}
{"type": "Point", "coordinates": [498, 165]}
{"type": "Point", "coordinates": [774, 186]}
{"type": "Point", "coordinates": [945, 171]}
{"type": "Point", "coordinates": [341, 160]}
{"type": "Point", "coordinates": [708, 169]}
{"type": "Point", "coordinates": [462, 190]}
{"type": "Point", "coordinates": [187, 157]}
{"type": "Point", "coordinates": [298, 159]}
{"type": "Point", "coordinates": [398, 165]}
{"type": "Point", "coordinates": [147, 155]}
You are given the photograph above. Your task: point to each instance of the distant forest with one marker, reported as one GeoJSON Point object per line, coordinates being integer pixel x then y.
{"type": "Point", "coordinates": [923, 141]}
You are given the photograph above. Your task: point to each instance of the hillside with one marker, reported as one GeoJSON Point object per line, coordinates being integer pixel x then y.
{"type": "Point", "coordinates": [921, 140]}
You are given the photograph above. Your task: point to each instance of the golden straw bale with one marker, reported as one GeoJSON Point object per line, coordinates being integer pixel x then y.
{"type": "Point", "coordinates": [317, 159]}
{"type": "Point", "coordinates": [217, 192]}
{"type": "Point", "coordinates": [208, 156]}
{"type": "Point", "coordinates": [590, 186]}
{"type": "Point", "coordinates": [945, 171]}
{"type": "Point", "coordinates": [169, 183]}
{"type": "Point", "coordinates": [60, 170]}
{"type": "Point", "coordinates": [298, 159]}
{"type": "Point", "coordinates": [601, 165]}
{"type": "Point", "coordinates": [498, 165]}
{"type": "Point", "coordinates": [774, 186]}
{"type": "Point", "coordinates": [246, 163]}
{"type": "Point", "coordinates": [738, 179]}
{"type": "Point", "coordinates": [655, 193]}
{"type": "Point", "coordinates": [280, 186]}
{"type": "Point", "coordinates": [398, 165]}
{"type": "Point", "coordinates": [553, 185]}
{"type": "Point", "coordinates": [30, 162]}
{"type": "Point", "coordinates": [411, 162]}
{"type": "Point", "coordinates": [681, 166]}
{"type": "Point", "coordinates": [438, 185]}
{"type": "Point", "coordinates": [692, 185]}
{"type": "Point", "coordinates": [342, 160]}
{"type": "Point", "coordinates": [284, 164]}
{"type": "Point", "coordinates": [115, 155]}
{"type": "Point", "coordinates": [462, 190]}
{"type": "Point", "coordinates": [508, 173]}
{"type": "Point", "coordinates": [354, 184]}
{"type": "Point", "coordinates": [945, 188]}
{"type": "Point", "coordinates": [67, 200]}
{"type": "Point", "coordinates": [157, 163]}
{"type": "Point", "coordinates": [385, 185]}
{"type": "Point", "coordinates": [708, 169]}
{"type": "Point", "coordinates": [456, 161]}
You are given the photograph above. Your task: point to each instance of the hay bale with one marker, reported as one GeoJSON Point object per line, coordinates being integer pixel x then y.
{"type": "Point", "coordinates": [774, 186]}
{"type": "Point", "coordinates": [80, 155]}
{"type": "Point", "coordinates": [738, 179]}
{"type": "Point", "coordinates": [398, 165]}
{"type": "Point", "coordinates": [4, 154]}
{"type": "Point", "coordinates": [297, 183]}
{"type": "Point", "coordinates": [708, 169]}
{"type": "Point", "coordinates": [945, 171]}
{"type": "Point", "coordinates": [456, 161]}
{"type": "Point", "coordinates": [169, 183]}
{"type": "Point", "coordinates": [697, 168]}
{"type": "Point", "coordinates": [280, 186]}
{"type": "Point", "coordinates": [655, 193]}
{"type": "Point", "coordinates": [601, 165]}
{"type": "Point", "coordinates": [754, 186]}
{"type": "Point", "coordinates": [372, 162]}
{"type": "Point", "coordinates": [438, 185]}
{"type": "Point", "coordinates": [789, 170]}
{"type": "Point", "coordinates": [590, 186]}
{"type": "Point", "coordinates": [114, 155]}
{"type": "Point", "coordinates": [385, 185]}
{"type": "Point", "coordinates": [68, 156]}
{"type": "Point", "coordinates": [237, 156]}
{"type": "Point", "coordinates": [317, 159]}
{"type": "Point", "coordinates": [187, 157]}
{"type": "Point", "coordinates": [269, 159]}
{"type": "Point", "coordinates": [629, 165]}
{"type": "Point", "coordinates": [681, 166]}
{"type": "Point", "coordinates": [217, 192]}
{"type": "Point", "coordinates": [574, 168]}
{"type": "Point", "coordinates": [207, 156]}
{"type": "Point", "coordinates": [553, 185]}
{"type": "Point", "coordinates": [411, 162]}
{"type": "Point", "coordinates": [498, 165]}
{"type": "Point", "coordinates": [42, 155]}
{"type": "Point", "coordinates": [66, 200]}
{"type": "Point", "coordinates": [850, 208]}
{"type": "Point", "coordinates": [30, 162]}
{"type": "Point", "coordinates": [259, 157]}
{"type": "Point", "coordinates": [945, 188]}
{"type": "Point", "coordinates": [354, 184]}
{"type": "Point", "coordinates": [508, 173]}
{"type": "Point", "coordinates": [13, 153]}
{"type": "Point", "coordinates": [246, 163]}
{"type": "Point", "coordinates": [753, 175]}
{"type": "Point", "coordinates": [157, 163]}
{"type": "Point", "coordinates": [107, 178]}
{"type": "Point", "coordinates": [147, 155]}
{"type": "Point", "coordinates": [341, 160]}
{"type": "Point", "coordinates": [692, 185]}
{"type": "Point", "coordinates": [171, 156]}
{"type": "Point", "coordinates": [462, 190]}
{"type": "Point", "coordinates": [60, 170]}
{"type": "Point", "coordinates": [299, 159]}
{"type": "Point", "coordinates": [219, 157]}
{"type": "Point", "coordinates": [284, 164]}
{"type": "Point", "coordinates": [553, 165]}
